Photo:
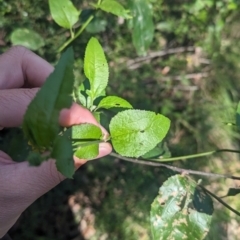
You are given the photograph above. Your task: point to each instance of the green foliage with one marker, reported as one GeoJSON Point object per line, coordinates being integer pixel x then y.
{"type": "Point", "coordinates": [41, 129]}
{"type": "Point", "coordinates": [113, 7]}
{"type": "Point", "coordinates": [113, 101]}
{"type": "Point", "coordinates": [136, 132]}
{"type": "Point", "coordinates": [87, 152]}
{"type": "Point", "coordinates": [86, 147]}
{"type": "Point", "coordinates": [63, 153]}
{"type": "Point", "coordinates": [141, 129]}
{"type": "Point", "coordinates": [180, 211]}
{"type": "Point", "coordinates": [95, 69]}
{"type": "Point", "coordinates": [27, 38]}
{"type": "Point", "coordinates": [142, 25]}
{"type": "Point", "coordinates": [195, 23]}
{"type": "Point", "coordinates": [64, 13]}
{"type": "Point", "coordinates": [86, 131]}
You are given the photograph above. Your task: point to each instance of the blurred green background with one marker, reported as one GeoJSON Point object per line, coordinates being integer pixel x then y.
{"type": "Point", "coordinates": [196, 86]}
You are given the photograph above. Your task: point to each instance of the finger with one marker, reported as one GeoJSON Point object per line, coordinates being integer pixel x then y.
{"type": "Point", "coordinates": [19, 67]}
{"type": "Point", "coordinates": [13, 105]}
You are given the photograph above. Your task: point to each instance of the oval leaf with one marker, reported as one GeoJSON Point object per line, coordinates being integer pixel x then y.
{"type": "Point", "coordinates": [136, 132]}
{"type": "Point", "coordinates": [64, 13]}
{"type": "Point", "coordinates": [113, 101]}
{"type": "Point", "coordinates": [27, 38]}
{"type": "Point", "coordinates": [96, 68]}
{"type": "Point", "coordinates": [115, 8]}
{"type": "Point", "coordinates": [142, 24]}
{"type": "Point", "coordinates": [180, 211]}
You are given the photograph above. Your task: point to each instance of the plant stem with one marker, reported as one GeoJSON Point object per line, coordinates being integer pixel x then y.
{"type": "Point", "coordinates": [76, 35]}
{"type": "Point", "coordinates": [220, 200]}
{"type": "Point", "coordinates": [176, 169]}
{"type": "Point", "coordinates": [197, 155]}
{"type": "Point", "coordinates": [72, 33]}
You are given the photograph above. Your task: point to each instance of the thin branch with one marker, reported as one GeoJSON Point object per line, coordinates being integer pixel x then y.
{"type": "Point", "coordinates": [140, 60]}
{"type": "Point", "coordinates": [197, 155]}
{"type": "Point", "coordinates": [176, 169]}
{"type": "Point", "coordinates": [220, 200]}
{"type": "Point", "coordinates": [187, 76]}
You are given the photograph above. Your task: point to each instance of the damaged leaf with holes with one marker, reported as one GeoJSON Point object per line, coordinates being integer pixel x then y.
{"type": "Point", "coordinates": [181, 211]}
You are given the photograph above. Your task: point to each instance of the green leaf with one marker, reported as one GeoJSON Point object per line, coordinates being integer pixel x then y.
{"type": "Point", "coordinates": [238, 116]}
{"type": "Point", "coordinates": [115, 8]}
{"type": "Point", "coordinates": [180, 211]}
{"type": "Point", "coordinates": [27, 38]}
{"type": "Point", "coordinates": [40, 123]}
{"type": "Point", "coordinates": [142, 24]}
{"type": "Point", "coordinates": [63, 153]}
{"type": "Point", "coordinates": [136, 132]}
{"type": "Point", "coordinates": [113, 101]}
{"type": "Point", "coordinates": [81, 96]}
{"type": "Point", "coordinates": [87, 152]}
{"type": "Point", "coordinates": [86, 131]}
{"type": "Point", "coordinates": [82, 99]}
{"type": "Point", "coordinates": [95, 68]}
{"type": "Point", "coordinates": [64, 13]}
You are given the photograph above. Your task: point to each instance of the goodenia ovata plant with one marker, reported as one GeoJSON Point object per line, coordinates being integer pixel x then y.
{"type": "Point", "coordinates": [133, 133]}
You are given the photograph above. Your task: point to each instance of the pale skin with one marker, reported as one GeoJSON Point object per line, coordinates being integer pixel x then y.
{"type": "Point", "coordinates": [21, 74]}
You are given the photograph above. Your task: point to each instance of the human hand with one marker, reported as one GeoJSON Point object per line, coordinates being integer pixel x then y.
{"type": "Point", "coordinates": [21, 74]}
